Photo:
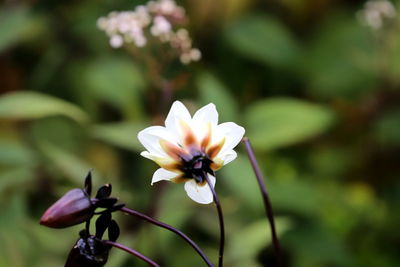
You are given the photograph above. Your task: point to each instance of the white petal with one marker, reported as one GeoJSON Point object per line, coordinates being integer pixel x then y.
{"type": "Point", "coordinates": [206, 114]}
{"type": "Point", "coordinates": [232, 133]}
{"type": "Point", "coordinates": [148, 155]}
{"type": "Point", "coordinates": [228, 157]}
{"type": "Point", "coordinates": [200, 194]}
{"type": "Point", "coordinates": [163, 174]}
{"type": "Point", "coordinates": [150, 139]}
{"type": "Point", "coordinates": [177, 113]}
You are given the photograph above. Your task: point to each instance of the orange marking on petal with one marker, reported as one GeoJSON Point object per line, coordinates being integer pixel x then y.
{"type": "Point", "coordinates": [203, 183]}
{"type": "Point", "coordinates": [173, 167]}
{"type": "Point", "coordinates": [180, 180]}
{"type": "Point", "coordinates": [215, 166]}
{"type": "Point", "coordinates": [207, 138]}
{"type": "Point", "coordinates": [189, 138]}
{"type": "Point", "coordinates": [215, 149]}
{"type": "Point", "coordinates": [172, 150]}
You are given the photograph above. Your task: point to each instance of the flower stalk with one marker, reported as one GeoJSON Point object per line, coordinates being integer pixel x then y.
{"type": "Point", "coordinates": [267, 202]}
{"type": "Point", "coordinates": [131, 251]}
{"type": "Point", "coordinates": [221, 221]}
{"type": "Point", "coordinates": [170, 228]}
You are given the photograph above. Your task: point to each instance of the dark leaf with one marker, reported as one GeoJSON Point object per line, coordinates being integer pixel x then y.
{"type": "Point", "coordinates": [104, 191]}
{"type": "Point", "coordinates": [88, 183]}
{"type": "Point", "coordinates": [106, 202]}
{"type": "Point", "coordinates": [89, 252]}
{"type": "Point", "coordinates": [113, 231]}
{"type": "Point", "coordinates": [102, 224]}
{"type": "Point", "coordinates": [84, 233]}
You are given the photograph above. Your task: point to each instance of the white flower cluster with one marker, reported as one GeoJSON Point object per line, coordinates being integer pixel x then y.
{"type": "Point", "coordinates": [156, 18]}
{"type": "Point", "coordinates": [375, 12]}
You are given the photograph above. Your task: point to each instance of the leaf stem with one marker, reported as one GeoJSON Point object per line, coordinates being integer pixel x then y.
{"type": "Point", "coordinates": [267, 202]}
{"type": "Point", "coordinates": [221, 222]}
{"type": "Point", "coordinates": [170, 228]}
{"type": "Point", "coordinates": [131, 251]}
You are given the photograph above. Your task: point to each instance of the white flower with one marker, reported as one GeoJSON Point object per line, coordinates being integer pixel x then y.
{"type": "Point", "coordinates": [375, 13]}
{"type": "Point", "coordinates": [157, 18]}
{"type": "Point", "coordinates": [188, 148]}
{"type": "Point", "coordinates": [160, 26]}
{"type": "Point", "coordinates": [116, 41]}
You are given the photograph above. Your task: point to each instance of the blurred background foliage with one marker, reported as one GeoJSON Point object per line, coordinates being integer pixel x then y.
{"type": "Point", "coordinates": [317, 91]}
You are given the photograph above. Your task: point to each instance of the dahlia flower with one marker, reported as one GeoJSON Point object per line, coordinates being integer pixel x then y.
{"type": "Point", "coordinates": [188, 148]}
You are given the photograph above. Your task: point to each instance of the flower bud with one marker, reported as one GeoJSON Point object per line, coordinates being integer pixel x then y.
{"type": "Point", "coordinates": [73, 208]}
{"type": "Point", "coordinates": [88, 252]}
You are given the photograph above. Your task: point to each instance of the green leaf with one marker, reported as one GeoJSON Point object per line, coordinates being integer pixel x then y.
{"type": "Point", "coordinates": [279, 122]}
{"type": "Point", "coordinates": [117, 81]}
{"type": "Point", "coordinates": [239, 177]}
{"type": "Point", "coordinates": [13, 23]}
{"type": "Point", "coordinates": [290, 196]}
{"type": "Point", "coordinates": [211, 90]}
{"type": "Point", "coordinates": [123, 135]}
{"type": "Point", "coordinates": [14, 153]}
{"type": "Point", "coordinates": [264, 39]}
{"type": "Point", "coordinates": [341, 60]}
{"type": "Point", "coordinates": [244, 245]}
{"type": "Point", "coordinates": [387, 128]}
{"type": "Point", "coordinates": [60, 131]}
{"type": "Point", "coordinates": [73, 167]}
{"type": "Point", "coordinates": [31, 105]}
{"type": "Point", "coordinates": [391, 54]}
{"type": "Point", "coordinates": [323, 246]}
{"type": "Point", "coordinates": [15, 177]}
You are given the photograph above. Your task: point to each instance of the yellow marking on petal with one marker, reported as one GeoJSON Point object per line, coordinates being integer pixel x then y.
{"type": "Point", "coordinates": [167, 163]}
{"type": "Point", "coordinates": [215, 149]}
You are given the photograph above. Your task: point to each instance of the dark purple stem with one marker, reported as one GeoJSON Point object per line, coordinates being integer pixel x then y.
{"type": "Point", "coordinates": [131, 251]}
{"type": "Point", "coordinates": [170, 228]}
{"type": "Point", "coordinates": [267, 203]}
{"type": "Point", "coordinates": [221, 222]}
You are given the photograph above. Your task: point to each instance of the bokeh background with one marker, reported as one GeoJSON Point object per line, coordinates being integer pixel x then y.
{"type": "Point", "coordinates": [316, 89]}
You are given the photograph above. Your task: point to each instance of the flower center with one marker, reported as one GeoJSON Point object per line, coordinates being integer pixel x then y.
{"type": "Point", "coordinates": [197, 167]}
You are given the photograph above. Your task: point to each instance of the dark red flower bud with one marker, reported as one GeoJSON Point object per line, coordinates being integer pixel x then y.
{"type": "Point", "coordinates": [88, 252]}
{"type": "Point", "coordinates": [73, 208]}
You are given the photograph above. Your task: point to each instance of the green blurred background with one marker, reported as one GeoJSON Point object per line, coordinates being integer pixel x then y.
{"type": "Point", "coordinates": [317, 92]}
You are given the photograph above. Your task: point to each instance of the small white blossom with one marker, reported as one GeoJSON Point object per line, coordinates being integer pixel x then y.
{"type": "Point", "coordinates": [188, 148]}
{"type": "Point", "coordinates": [116, 41]}
{"type": "Point", "coordinates": [375, 12]}
{"type": "Point", "coordinates": [185, 58]}
{"type": "Point", "coordinates": [167, 7]}
{"type": "Point", "coordinates": [156, 18]}
{"type": "Point", "coordinates": [195, 54]}
{"type": "Point", "coordinates": [160, 26]}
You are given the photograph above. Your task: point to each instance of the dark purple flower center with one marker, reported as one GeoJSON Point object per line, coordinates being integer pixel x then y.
{"type": "Point", "coordinates": [197, 167]}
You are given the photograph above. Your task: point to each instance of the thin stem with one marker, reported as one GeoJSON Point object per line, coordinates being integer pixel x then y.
{"type": "Point", "coordinates": [170, 228]}
{"type": "Point", "coordinates": [221, 222]}
{"type": "Point", "coordinates": [131, 251]}
{"type": "Point", "coordinates": [267, 202]}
